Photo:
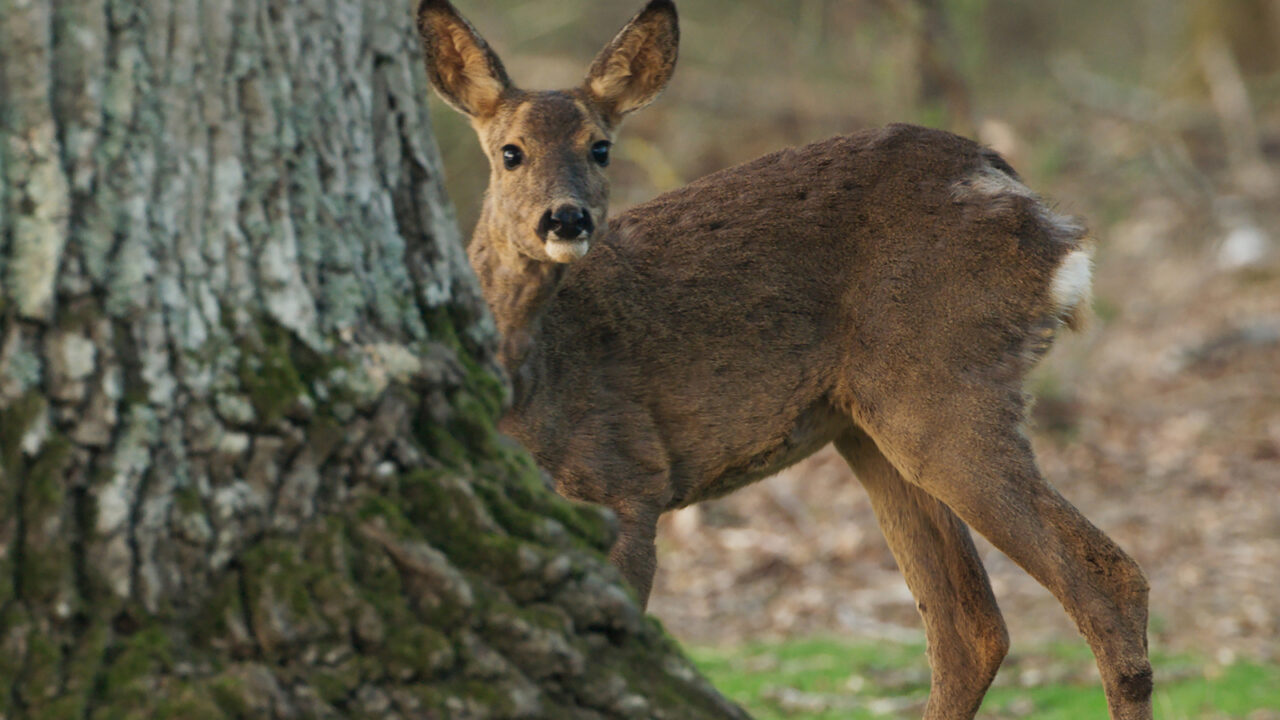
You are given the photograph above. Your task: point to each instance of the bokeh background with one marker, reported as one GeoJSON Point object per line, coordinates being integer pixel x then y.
{"type": "Point", "coordinates": [1157, 122]}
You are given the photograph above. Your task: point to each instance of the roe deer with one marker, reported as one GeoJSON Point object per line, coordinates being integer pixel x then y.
{"type": "Point", "coordinates": [886, 291]}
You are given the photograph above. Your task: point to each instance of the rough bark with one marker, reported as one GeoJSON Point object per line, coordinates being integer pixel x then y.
{"type": "Point", "coordinates": [248, 464]}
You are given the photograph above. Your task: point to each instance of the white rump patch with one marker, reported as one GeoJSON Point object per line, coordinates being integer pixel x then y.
{"type": "Point", "coordinates": [992, 183]}
{"type": "Point", "coordinates": [1073, 281]}
{"type": "Point", "coordinates": [566, 251]}
{"type": "Point", "coordinates": [1072, 287]}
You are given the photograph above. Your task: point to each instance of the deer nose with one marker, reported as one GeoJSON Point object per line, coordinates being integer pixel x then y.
{"type": "Point", "coordinates": [568, 222]}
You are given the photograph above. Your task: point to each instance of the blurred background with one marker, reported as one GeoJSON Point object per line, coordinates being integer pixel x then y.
{"type": "Point", "coordinates": [1158, 123]}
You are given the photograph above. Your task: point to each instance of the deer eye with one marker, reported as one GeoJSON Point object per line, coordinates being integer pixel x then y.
{"type": "Point", "coordinates": [512, 156]}
{"type": "Point", "coordinates": [600, 152]}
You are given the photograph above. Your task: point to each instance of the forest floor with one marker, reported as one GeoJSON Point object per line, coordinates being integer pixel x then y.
{"type": "Point", "coordinates": [1161, 422]}
{"type": "Point", "coordinates": [834, 679]}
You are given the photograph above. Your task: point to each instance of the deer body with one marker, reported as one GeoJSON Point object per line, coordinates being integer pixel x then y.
{"type": "Point", "coordinates": [886, 291]}
{"type": "Point", "coordinates": [735, 339]}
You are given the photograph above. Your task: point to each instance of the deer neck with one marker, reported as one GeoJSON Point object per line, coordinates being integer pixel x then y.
{"type": "Point", "coordinates": [517, 288]}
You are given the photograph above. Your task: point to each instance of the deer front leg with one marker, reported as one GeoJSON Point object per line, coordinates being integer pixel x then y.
{"type": "Point", "coordinates": [615, 458]}
{"type": "Point", "coordinates": [634, 553]}
{"type": "Point", "coordinates": [636, 504]}
{"type": "Point", "coordinates": [966, 633]}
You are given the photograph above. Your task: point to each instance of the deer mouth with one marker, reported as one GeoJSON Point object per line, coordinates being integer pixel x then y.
{"type": "Point", "coordinates": [566, 251]}
{"type": "Point", "coordinates": [566, 232]}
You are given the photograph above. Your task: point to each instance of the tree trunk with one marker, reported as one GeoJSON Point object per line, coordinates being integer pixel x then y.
{"type": "Point", "coordinates": [248, 464]}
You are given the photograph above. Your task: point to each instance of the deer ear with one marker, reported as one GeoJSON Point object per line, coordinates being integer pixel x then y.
{"type": "Point", "coordinates": [632, 69]}
{"type": "Point", "coordinates": [462, 68]}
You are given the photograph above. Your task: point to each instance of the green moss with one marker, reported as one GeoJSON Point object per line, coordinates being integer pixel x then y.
{"type": "Point", "coordinates": [210, 623]}
{"type": "Point", "coordinates": [187, 500]}
{"type": "Point", "coordinates": [490, 695]}
{"type": "Point", "coordinates": [522, 487]}
{"type": "Point", "coordinates": [663, 690]}
{"type": "Point", "coordinates": [431, 698]}
{"type": "Point", "coordinates": [279, 589]}
{"type": "Point", "coordinates": [440, 443]}
{"type": "Point", "coordinates": [476, 408]}
{"type": "Point", "coordinates": [454, 520]}
{"type": "Point", "coordinates": [67, 707]}
{"type": "Point", "coordinates": [386, 508]}
{"type": "Point", "coordinates": [470, 432]}
{"type": "Point", "coordinates": [441, 507]}
{"type": "Point", "coordinates": [472, 424]}
{"type": "Point", "coordinates": [6, 593]}
{"type": "Point", "coordinates": [440, 327]}
{"type": "Point", "coordinates": [309, 364]}
{"type": "Point", "coordinates": [333, 598]}
{"type": "Point", "coordinates": [140, 658]}
{"type": "Point", "coordinates": [85, 657]}
{"type": "Point", "coordinates": [547, 617]}
{"type": "Point", "coordinates": [39, 676]}
{"type": "Point", "coordinates": [416, 649]}
{"type": "Point", "coordinates": [324, 435]}
{"type": "Point", "coordinates": [322, 546]}
{"type": "Point", "coordinates": [12, 615]}
{"type": "Point", "coordinates": [189, 702]}
{"type": "Point", "coordinates": [228, 695]}
{"type": "Point", "coordinates": [377, 584]}
{"type": "Point", "coordinates": [519, 521]}
{"type": "Point", "coordinates": [44, 478]}
{"type": "Point", "coordinates": [44, 565]}
{"type": "Point", "coordinates": [333, 684]}
{"type": "Point", "coordinates": [486, 387]}
{"type": "Point", "coordinates": [44, 569]}
{"type": "Point", "coordinates": [498, 557]}
{"type": "Point", "coordinates": [373, 574]}
{"type": "Point", "coordinates": [15, 421]}
{"type": "Point", "coordinates": [269, 376]}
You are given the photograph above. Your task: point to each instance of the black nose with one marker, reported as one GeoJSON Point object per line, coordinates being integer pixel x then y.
{"type": "Point", "coordinates": [567, 222]}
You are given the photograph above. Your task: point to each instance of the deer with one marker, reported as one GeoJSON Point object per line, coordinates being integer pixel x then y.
{"type": "Point", "coordinates": [886, 291]}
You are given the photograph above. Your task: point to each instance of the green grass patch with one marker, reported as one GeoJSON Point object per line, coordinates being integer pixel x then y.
{"type": "Point", "coordinates": [821, 679]}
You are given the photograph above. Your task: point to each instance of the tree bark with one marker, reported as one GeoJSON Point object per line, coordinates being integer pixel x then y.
{"type": "Point", "coordinates": [248, 464]}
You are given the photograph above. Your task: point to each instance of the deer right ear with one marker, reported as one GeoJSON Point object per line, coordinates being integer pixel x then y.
{"type": "Point", "coordinates": [462, 68]}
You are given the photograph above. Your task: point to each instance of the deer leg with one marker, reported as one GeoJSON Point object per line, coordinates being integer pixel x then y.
{"type": "Point", "coordinates": [966, 635]}
{"type": "Point", "coordinates": [979, 463]}
{"type": "Point", "coordinates": [634, 553]}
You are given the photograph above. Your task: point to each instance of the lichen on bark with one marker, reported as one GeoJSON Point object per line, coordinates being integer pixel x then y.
{"type": "Point", "coordinates": [248, 457]}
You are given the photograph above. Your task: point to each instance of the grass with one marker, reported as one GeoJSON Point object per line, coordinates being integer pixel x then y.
{"type": "Point", "coordinates": [821, 679]}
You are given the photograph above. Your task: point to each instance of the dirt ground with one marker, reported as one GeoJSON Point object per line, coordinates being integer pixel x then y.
{"type": "Point", "coordinates": [1161, 422]}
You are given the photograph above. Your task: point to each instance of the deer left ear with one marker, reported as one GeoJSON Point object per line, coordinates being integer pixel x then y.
{"type": "Point", "coordinates": [635, 67]}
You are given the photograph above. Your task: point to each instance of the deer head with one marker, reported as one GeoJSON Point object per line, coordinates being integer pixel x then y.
{"type": "Point", "coordinates": [548, 195]}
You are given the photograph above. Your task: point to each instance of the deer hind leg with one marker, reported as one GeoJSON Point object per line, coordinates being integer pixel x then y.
{"type": "Point", "coordinates": [966, 634]}
{"type": "Point", "coordinates": [968, 451]}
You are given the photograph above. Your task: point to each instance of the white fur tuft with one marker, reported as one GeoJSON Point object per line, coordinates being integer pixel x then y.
{"type": "Point", "coordinates": [992, 182]}
{"type": "Point", "coordinates": [1073, 281]}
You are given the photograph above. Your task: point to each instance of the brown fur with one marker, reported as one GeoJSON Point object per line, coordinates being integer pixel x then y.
{"type": "Point", "coordinates": [887, 291]}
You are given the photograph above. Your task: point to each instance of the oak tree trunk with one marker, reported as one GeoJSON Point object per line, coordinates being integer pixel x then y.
{"type": "Point", "coordinates": [248, 464]}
